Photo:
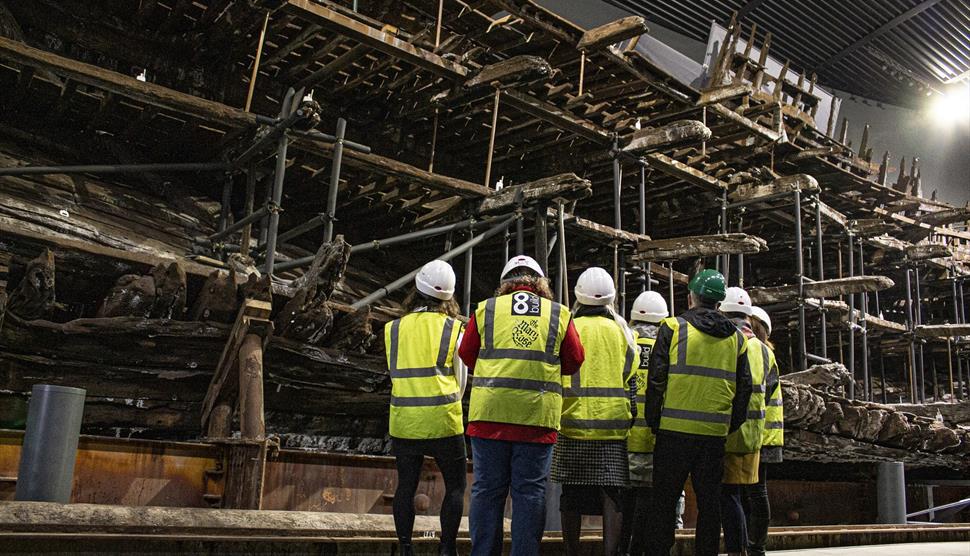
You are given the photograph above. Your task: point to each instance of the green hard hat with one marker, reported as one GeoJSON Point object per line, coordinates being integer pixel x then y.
{"type": "Point", "coordinates": [708, 283]}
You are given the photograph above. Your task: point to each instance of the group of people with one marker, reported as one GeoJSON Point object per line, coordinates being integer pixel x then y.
{"type": "Point", "coordinates": [618, 413]}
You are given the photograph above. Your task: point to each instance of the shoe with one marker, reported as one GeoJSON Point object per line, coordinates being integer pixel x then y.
{"type": "Point", "coordinates": [405, 549]}
{"type": "Point", "coordinates": [447, 550]}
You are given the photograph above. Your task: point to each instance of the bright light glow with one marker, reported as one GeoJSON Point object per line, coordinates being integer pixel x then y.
{"type": "Point", "coordinates": [953, 105]}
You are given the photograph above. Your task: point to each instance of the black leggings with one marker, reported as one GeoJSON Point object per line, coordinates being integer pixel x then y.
{"type": "Point", "coordinates": [408, 476]}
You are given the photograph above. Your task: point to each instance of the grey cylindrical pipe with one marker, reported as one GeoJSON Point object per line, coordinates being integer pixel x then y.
{"type": "Point", "coordinates": [891, 493]}
{"type": "Point", "coordinates": [46, 472]}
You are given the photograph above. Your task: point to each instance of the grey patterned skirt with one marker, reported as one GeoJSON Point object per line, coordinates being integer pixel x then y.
{"type": "Point", "coordinates": [590, 462]}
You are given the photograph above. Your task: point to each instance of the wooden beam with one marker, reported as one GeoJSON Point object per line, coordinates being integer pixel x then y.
{"type": "Point", "coordinates": [750, 125]}
{"type": "Point", "coordinates": [699, 246]}
{"type": "Point", "coordinates": [375, 38]}
{"type": "Point", "coordinates": [557, 117]}
{"type": "Point", "coordinates": [868, 227]}
{"type": "Point", "coordinates": [566, 186]}
{"type": "Point", "coordinates": [516, 70]}
{"type": "Point", "coordinates": [942, 330]}
{"type": "Point", "coordinates": [613, 32]}
{"type": "Point", "coordinates": [821, 288]}
{"type": "Point", "coordinates": [684, 172]}
{"type": "Point", "coordinates": [946, 216]}
{"type": "Point", "coordinates": [784, 184]}
{"type": "Point", "coordinates": [724, 92]}
{"type": "Point", "coordinates": [674, 134]}
{"type": "Point", "coordinates": [122, 85]}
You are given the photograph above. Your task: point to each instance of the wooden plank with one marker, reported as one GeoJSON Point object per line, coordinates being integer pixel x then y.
{"type": "Point", "coordinates": [557, 117]}
{"type": "Point", "coordinates": [512, 71]}
{"type": "Point", "coordinates": [796, 182]}
{"type": "Point", "coordinates": [821, 288]}
{"type": "Point", "coordinates": [946, 216]}
{"type": "Point", "coordinates": [375, 38]}
{"type": "Point", "coordinates": [128, 87]}
{"type": "Point", "coordinates": [684, 172]}
{"type": "Point", "coordinates": [726, 92]}
{"type": "Point", "coordinates": [566, 186]}
{"type": "Point", "coordinates": [673, 134]}
{"type": "Point", "coordinates": [942, 330]}
{"type": "Point", "coordinates": [699, 246]}
{"type": "Point", "coordinates": [613, 32]}
{"type": "Point", "coordinates": [750, 125]}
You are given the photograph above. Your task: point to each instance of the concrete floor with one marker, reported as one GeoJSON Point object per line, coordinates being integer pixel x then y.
{"type": "Point", "coordinates": [908, 549]}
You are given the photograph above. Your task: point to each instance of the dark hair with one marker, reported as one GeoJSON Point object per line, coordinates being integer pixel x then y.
{"type": "Point", "coordinates": [760, 330]}
{"type": "Point", "coordinates": [737, 315]}
{"type": "Point", "coordinates": [705, 302]}
{"type": "Point", "coordinates": [417, 299]}
{"type": "Point", "coordinates": [535, 283]}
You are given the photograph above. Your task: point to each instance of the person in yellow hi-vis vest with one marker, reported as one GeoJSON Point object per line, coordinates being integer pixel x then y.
{"type": "Point", "coordinates": [743, 447]}
{"type": "Point", "coordinates": [756, 495]}
{"type": "Point", "coordinates": [649, 309]}
{"type": "Point", "coordinates": [590, 457]}
{"type": "Point", "coordinates": [427, 383]}
{"type": "Point", "coordinates": [697, 392]}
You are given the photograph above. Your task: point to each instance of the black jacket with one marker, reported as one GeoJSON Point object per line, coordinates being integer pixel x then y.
{"type": "Point", "coordinates": [710, 322]}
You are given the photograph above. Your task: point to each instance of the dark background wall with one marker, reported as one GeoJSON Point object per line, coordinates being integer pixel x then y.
{"type": "Point", "coordinates": [943, 146]}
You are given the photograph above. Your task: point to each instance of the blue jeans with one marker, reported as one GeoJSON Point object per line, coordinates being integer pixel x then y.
{"type": "Point", "coordinates": [498, 466]}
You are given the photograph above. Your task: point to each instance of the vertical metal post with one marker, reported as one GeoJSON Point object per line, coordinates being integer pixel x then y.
{"type": "Point", "coordinates": [277, 196]}
{"type": "Point", "coordinates": [936, 380]}
{"type": "Point", "coordinates": [955, 393]}
{"type": "Point", "coordinates": [469, 261]}
{"type": "Point", "coordinates": [800, 270]}
{"type": "Point", "coordinates": [540, 231]}
{"type": "Point", "coordinates": [741, 255]}
{"type": "Point", "coordinates": [821, 274]}
{"type": "Point", "coordinates": [582, 71]}
{"type": "Point", "coordinates": [617, 184]}
{"type": "Point", "coordinates": [563, 262]}
{"type": "Point", "coordinates": [437, 27]}
{"type": "Point", "coordinates": [247, 231]}
{"type": "Point", "coordinates": [910, 329]}
{"type": "Point", "coordinates": [643, 223]}
{"type": "Point", "coordinates": [882, 375]}
{"type": "Point", "coordinates": [434, 140]}
{"type": "Point", "coordinates": [949, 361]}
{"type": "Point", "coordinates": [622, 296]}
{"type": "Point", "coordinates": [920, 369]}
{"type": "Point", "coordinates": [226, 200]}
{"type": "Point", "coordinates": [851, 265]}
{"type": "Point", "coordinates": [491, 138]}
{"type": "Point", "coordinates": [338, 157]}
{"type": "Point", "coordinates": [866, 383]}
{"type": "Point", "coordinates": [670, 285]}
{"type": "Point", "coordinates": [724, 259]}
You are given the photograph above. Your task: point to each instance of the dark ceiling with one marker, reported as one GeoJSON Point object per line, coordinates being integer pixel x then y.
{"type": "Point", "coordinates": [894, 51]}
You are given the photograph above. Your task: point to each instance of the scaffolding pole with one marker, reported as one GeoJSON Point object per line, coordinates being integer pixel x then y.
{"type": "Point", "coordinates": [800, 270]}
{"type": "Point", "coordinates": [645, 269]}
{"type": "Point", "coordinates": [864, 332]}
{"type": "Point", "coordinates": [920, 369]}
{"type": "Point", "coordinates": [279, 175]}
{"type": "Point", "coordinates": [338, 157]}
{"type": "Point", "coordinates": [384, 291]}
{"type": "Point", "coordinates": [912, 335]}
{"type": "Point", "coordinates": [821, 274]}
{"type": "Point", "coordinates": [851, 251]}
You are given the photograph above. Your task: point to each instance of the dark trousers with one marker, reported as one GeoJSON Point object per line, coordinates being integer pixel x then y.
{"type": "Point", "coordinates": [636, 508]}
{"type": "Point", "coordinates": [733, 519]}
{"type": "Point", "coordinates": [675, 458]}
{"type": "Point", "coordinates": [759, 513]}
{"type": "Point", "coordinates": [408, 477]}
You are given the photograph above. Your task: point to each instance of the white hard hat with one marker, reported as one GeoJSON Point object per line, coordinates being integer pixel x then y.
{"type": "Point", "coordinates": [649, 307]}
{"type": "Point", "coordinates": [436, 279]}
{"type": "Point", "coordinates": [595, 287]}
{"type": "Point", "coordinates": [522, 261]}
{"type": "Point", "coordinates": [762, 315]}
{"type": "Point", "coordinates": [736, 300]}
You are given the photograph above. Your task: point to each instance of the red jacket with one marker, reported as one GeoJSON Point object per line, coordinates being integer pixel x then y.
{"type": "Point", "coordinates": [571, 356]}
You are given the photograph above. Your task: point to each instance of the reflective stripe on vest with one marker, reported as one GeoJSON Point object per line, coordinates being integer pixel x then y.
{"type": "Point", "coordinates": [641, 438]}
{"type": "Point", "coordinates": [774, 410]}
{"type": "Point", "coordinates": [701, 382]}
{"type": "Point", "coordinates": [425, 401]}
{"type": "Point", "coordinates": [596, 405]}
{"type": "Point", "coordinates": [749, 437]}
{"type": "Point", "coordinates": [517, 375]}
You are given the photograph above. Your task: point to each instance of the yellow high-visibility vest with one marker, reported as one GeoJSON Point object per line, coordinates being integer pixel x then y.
{"type": "Point", "coordinates": [595, 401]}
{"type": "Point", "coordinates": [775, 409]}
{"type": "Point", "coordinates": [517, 375]}
{"type": "Point", "coordinates": [641, 438]}
{"type": "Point", "coordinates": [702, 380]}
{"type": "Point", "coordinates": [425, 401]}
{"type": "Point", "coordinates": [749, 437]}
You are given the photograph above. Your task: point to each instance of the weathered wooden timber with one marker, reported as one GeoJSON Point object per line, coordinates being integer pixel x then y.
{"type": "Point", "coordinates": [785, 184]}
{"type": "Point", "coordinates": [822, 288]}
{"type": "Point", "coordinates": [670, 135]}
{"type": "Point", "coordinates": [699, 246]}
{"type": "Point", "coordinates": [942, 330]}
{"type": "Point", "coordinates": [518, 70]}
{"type": "Point", "coordinates": [612, 32]}
{"type": "Point", "coordinates": [566, 186]}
